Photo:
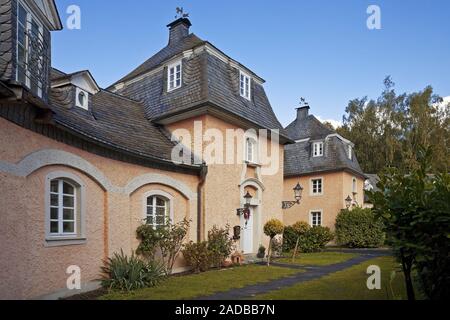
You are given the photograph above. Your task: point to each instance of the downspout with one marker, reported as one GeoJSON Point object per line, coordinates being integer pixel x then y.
{"type": "Point", "coordinates": [200, 203]}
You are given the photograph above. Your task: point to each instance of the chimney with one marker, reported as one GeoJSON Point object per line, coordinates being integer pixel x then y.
{"type": "Point", "coordinates": [303, 112]}
{"type": "Point", "coordinates": [178, 30]}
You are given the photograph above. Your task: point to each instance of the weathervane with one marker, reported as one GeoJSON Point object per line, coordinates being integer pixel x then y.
{"type": "Point", "coordinates": [303, 102]}
{"type": "Point", "coordinates": [181, 14]}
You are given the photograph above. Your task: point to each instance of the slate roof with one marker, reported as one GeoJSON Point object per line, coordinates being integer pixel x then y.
{"type": "Point", "coordinates": [298, 157]}
{"type": "Point", "coordinates": [310, 127]}
{"type": "Point", "coordinates": [207, 81]}
{"type": "Point", "coordinates": [112, 120]}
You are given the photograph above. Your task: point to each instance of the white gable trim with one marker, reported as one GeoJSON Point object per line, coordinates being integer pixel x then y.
{"type": "Point", "coordinates": [82, 80]}
{"type": "Point", "coordinates": [47, 13]}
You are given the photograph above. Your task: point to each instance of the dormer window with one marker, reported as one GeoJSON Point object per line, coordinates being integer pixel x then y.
{"type": "Point", "coordinates": [82, 99]}
{"type": "Point", "coordinates": [32, 59]}
{"type": "Point", "coordinates": [174, 76]}
{"type": "Point", "coordinates": [245, 88]}
{"type": "Point", "coordinates": [350, 152]}
{"type": "Point", "coordinates": [318, 149]}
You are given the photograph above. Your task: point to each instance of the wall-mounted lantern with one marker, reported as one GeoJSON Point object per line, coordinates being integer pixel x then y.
{"type": "Point", "coordinates": [348, 202]}
{"type": "Point", "coordinates": [246, 210]}
{"type": "Point", "coordinates": [298, 190]}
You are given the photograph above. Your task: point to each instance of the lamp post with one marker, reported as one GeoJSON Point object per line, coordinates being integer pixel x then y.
{"type": "Point", "coordinates": [298, 190]}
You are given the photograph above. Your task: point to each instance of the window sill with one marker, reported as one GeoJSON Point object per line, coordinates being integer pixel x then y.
{"type": "Point", "coordinates": [316, 195]}
{"type": "Point", "coordinates": [252, 164]}
{"type": "Point", "coordinates": [64, 241]}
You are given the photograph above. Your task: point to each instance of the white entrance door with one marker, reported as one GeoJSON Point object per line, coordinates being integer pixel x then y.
{"type": "Point", "coordinates": [247, 237]}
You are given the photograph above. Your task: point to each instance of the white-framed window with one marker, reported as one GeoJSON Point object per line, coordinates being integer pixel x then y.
{"type": "Point", "coordinates": [174, 76]}
{"type": "Point", "coordinates": [31, 50]}
{"type": "Point", "coordinates": [354, 185]}
{"type": "Point", "coordinates": [65, 208]}
{"type": "Point", "coordinates": [251, 150]}
{"type": "Point", "coordinates": [317, 149]}
{"type": "Point", "coordinates": [316, 186]}
{"type": "Point", "coordinates": [82, 99]}
{"type": "Point", "coordinates": [350, 152]}
{"type": "Point", "coordinates": [315, 218]}
{"type": "Point", "coordinates": [157, 210]}
{"type": "Point", "coordinates": [245, 85]}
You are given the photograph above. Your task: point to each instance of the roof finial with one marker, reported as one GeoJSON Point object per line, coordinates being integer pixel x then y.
{"type": "Point", "coordinates": [180, 13]}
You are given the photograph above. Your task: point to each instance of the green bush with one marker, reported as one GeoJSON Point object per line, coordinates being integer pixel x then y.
{"type": "Point", "coordinates": [315, 239]}
{"type": "Point", "coordinates": [197, 256]}
{"type": "Point", "coordinates": [261, 252]}
{"type": "Point", "coordinates": [359, 228]}
{"type": "Point", "coordinates": [220, 245]}
{"type": "Point", "coordinates": [292, 233]}
{"type": "Point", "coordinates": [126, 274]}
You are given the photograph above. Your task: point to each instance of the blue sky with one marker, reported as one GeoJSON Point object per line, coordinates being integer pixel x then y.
{"type": "Point", "coordinates": [321, 50]}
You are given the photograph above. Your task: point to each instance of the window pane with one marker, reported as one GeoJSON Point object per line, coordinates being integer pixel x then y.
{"type": "Point", "coordinates": [54, 213]}
{"type": "Point", "coordinates": [149, 220]}
{"type": "Point", "coordinates": [54, 186]}
{"type": "Point", "coordinates": [159, 220]}
{"type": "Point", "coordinates": [68, 214]}
{"type": "Point", "coordinates": [160, 211]}
{"type": "Point", "coordinates": [68, 201]}
{"type": "Point", "coordinates": [150, 201]}
{"type": "Point", "coordinates": [54, 200]}
{"type": "Point", "coordinates": [54, 227]}
{"type": "Point", "coordinates": [21, 35]}
{"type": "Point", "coordinates": [22, 15]}
{"type": "Point", "coordinates": [68, 227]}
{"type": "Point", "coordinates": [160, 202]}
{"type": "Point", "coordinates": [68, 189]}
{"type": "Point", "coordinates": [149, 210]}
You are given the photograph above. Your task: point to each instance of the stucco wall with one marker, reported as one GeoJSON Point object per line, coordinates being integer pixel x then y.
{"type": "Point", "coordinates": [114, 201]}
{"type": "Point", "coordinates": [336, 187]}
{"type": "Point", "coordinates": [223, 194]}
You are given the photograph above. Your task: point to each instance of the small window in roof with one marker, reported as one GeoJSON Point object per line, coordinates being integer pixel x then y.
{"type": "Point", "coordinates": [174, 76]}
{"type": "Point", "coordinates": [82, 99]}
{"type": "Point", "coordinates": [317, 149]}
{"type": "Point", "coordinates": [245, 85]}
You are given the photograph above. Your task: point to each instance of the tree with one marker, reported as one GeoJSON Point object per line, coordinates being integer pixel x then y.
{"type": "Point", "coordinates": [272, 228]}
{"type": "Point", "coordinates": [388, 131]}
{"type": "Point", "coordinates": [415, 210]}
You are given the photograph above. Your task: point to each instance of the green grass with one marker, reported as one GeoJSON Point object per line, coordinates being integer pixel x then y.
{"type": "Point", "coordinates": [192, 286]}
{"type": "Point", "coordinates": [318, 259]}
{"type": "Point", "coordinates": [349, 284]}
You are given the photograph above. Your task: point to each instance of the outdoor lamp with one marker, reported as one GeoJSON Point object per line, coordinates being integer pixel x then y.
{"type": "Point", "coordinates": [248, 199]}
{"type": "Point", "coordinates": [298, 192]}
{"type": "Point", "coordinates": [348, 202]}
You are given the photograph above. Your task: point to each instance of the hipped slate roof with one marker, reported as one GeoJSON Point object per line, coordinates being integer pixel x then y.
{"type": "Point", "coordinates": [207, 82]}
{"type": "Point", "coordinates": [112, 120]}
{"type": "Point", "coordinates": [298, 157]}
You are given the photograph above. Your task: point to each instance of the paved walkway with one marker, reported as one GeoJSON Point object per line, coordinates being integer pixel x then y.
{"type": "Point", "coordinates": [309, 273]}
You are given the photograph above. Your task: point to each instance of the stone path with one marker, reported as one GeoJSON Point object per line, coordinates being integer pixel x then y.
{"type": "Point", "coordinates": [309, 273]}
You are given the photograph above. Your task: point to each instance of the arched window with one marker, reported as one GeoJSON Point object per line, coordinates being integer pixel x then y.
{"type": "Point", "coordinates": [251, 151]}
{"type": "Point", "coordinates": [354, 185]}
{"type": "Point", "coordinates": [158, 210]}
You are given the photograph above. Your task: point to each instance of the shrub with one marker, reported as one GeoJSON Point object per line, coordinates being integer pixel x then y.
{"type": "Point", "coordinates": [315, 239]}
{"type": "Point", "coordinates": [126, 274]}
{"type": "Point", "coordinates": [166, 240]}
{"type": "Point", "coordinates": [220, 245]}
{"type": "Point", "coordinates": [197, 256]}
{"type": "Point", "coordinates": [271, 229]}
{"type": "Point", "coordinates": [261, 252]}
{"type": "Point", "coordinates": [292, 233]}
{"type": "Point", "coordinates": [359, 228]}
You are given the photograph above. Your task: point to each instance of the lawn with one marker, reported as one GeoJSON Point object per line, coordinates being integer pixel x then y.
{"type": "Point", "coordinates": [192, 286]}
{"type": "Point", "coordinates": [349, 284]}
{"type": "Point", "coordinates": [318, 259]}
